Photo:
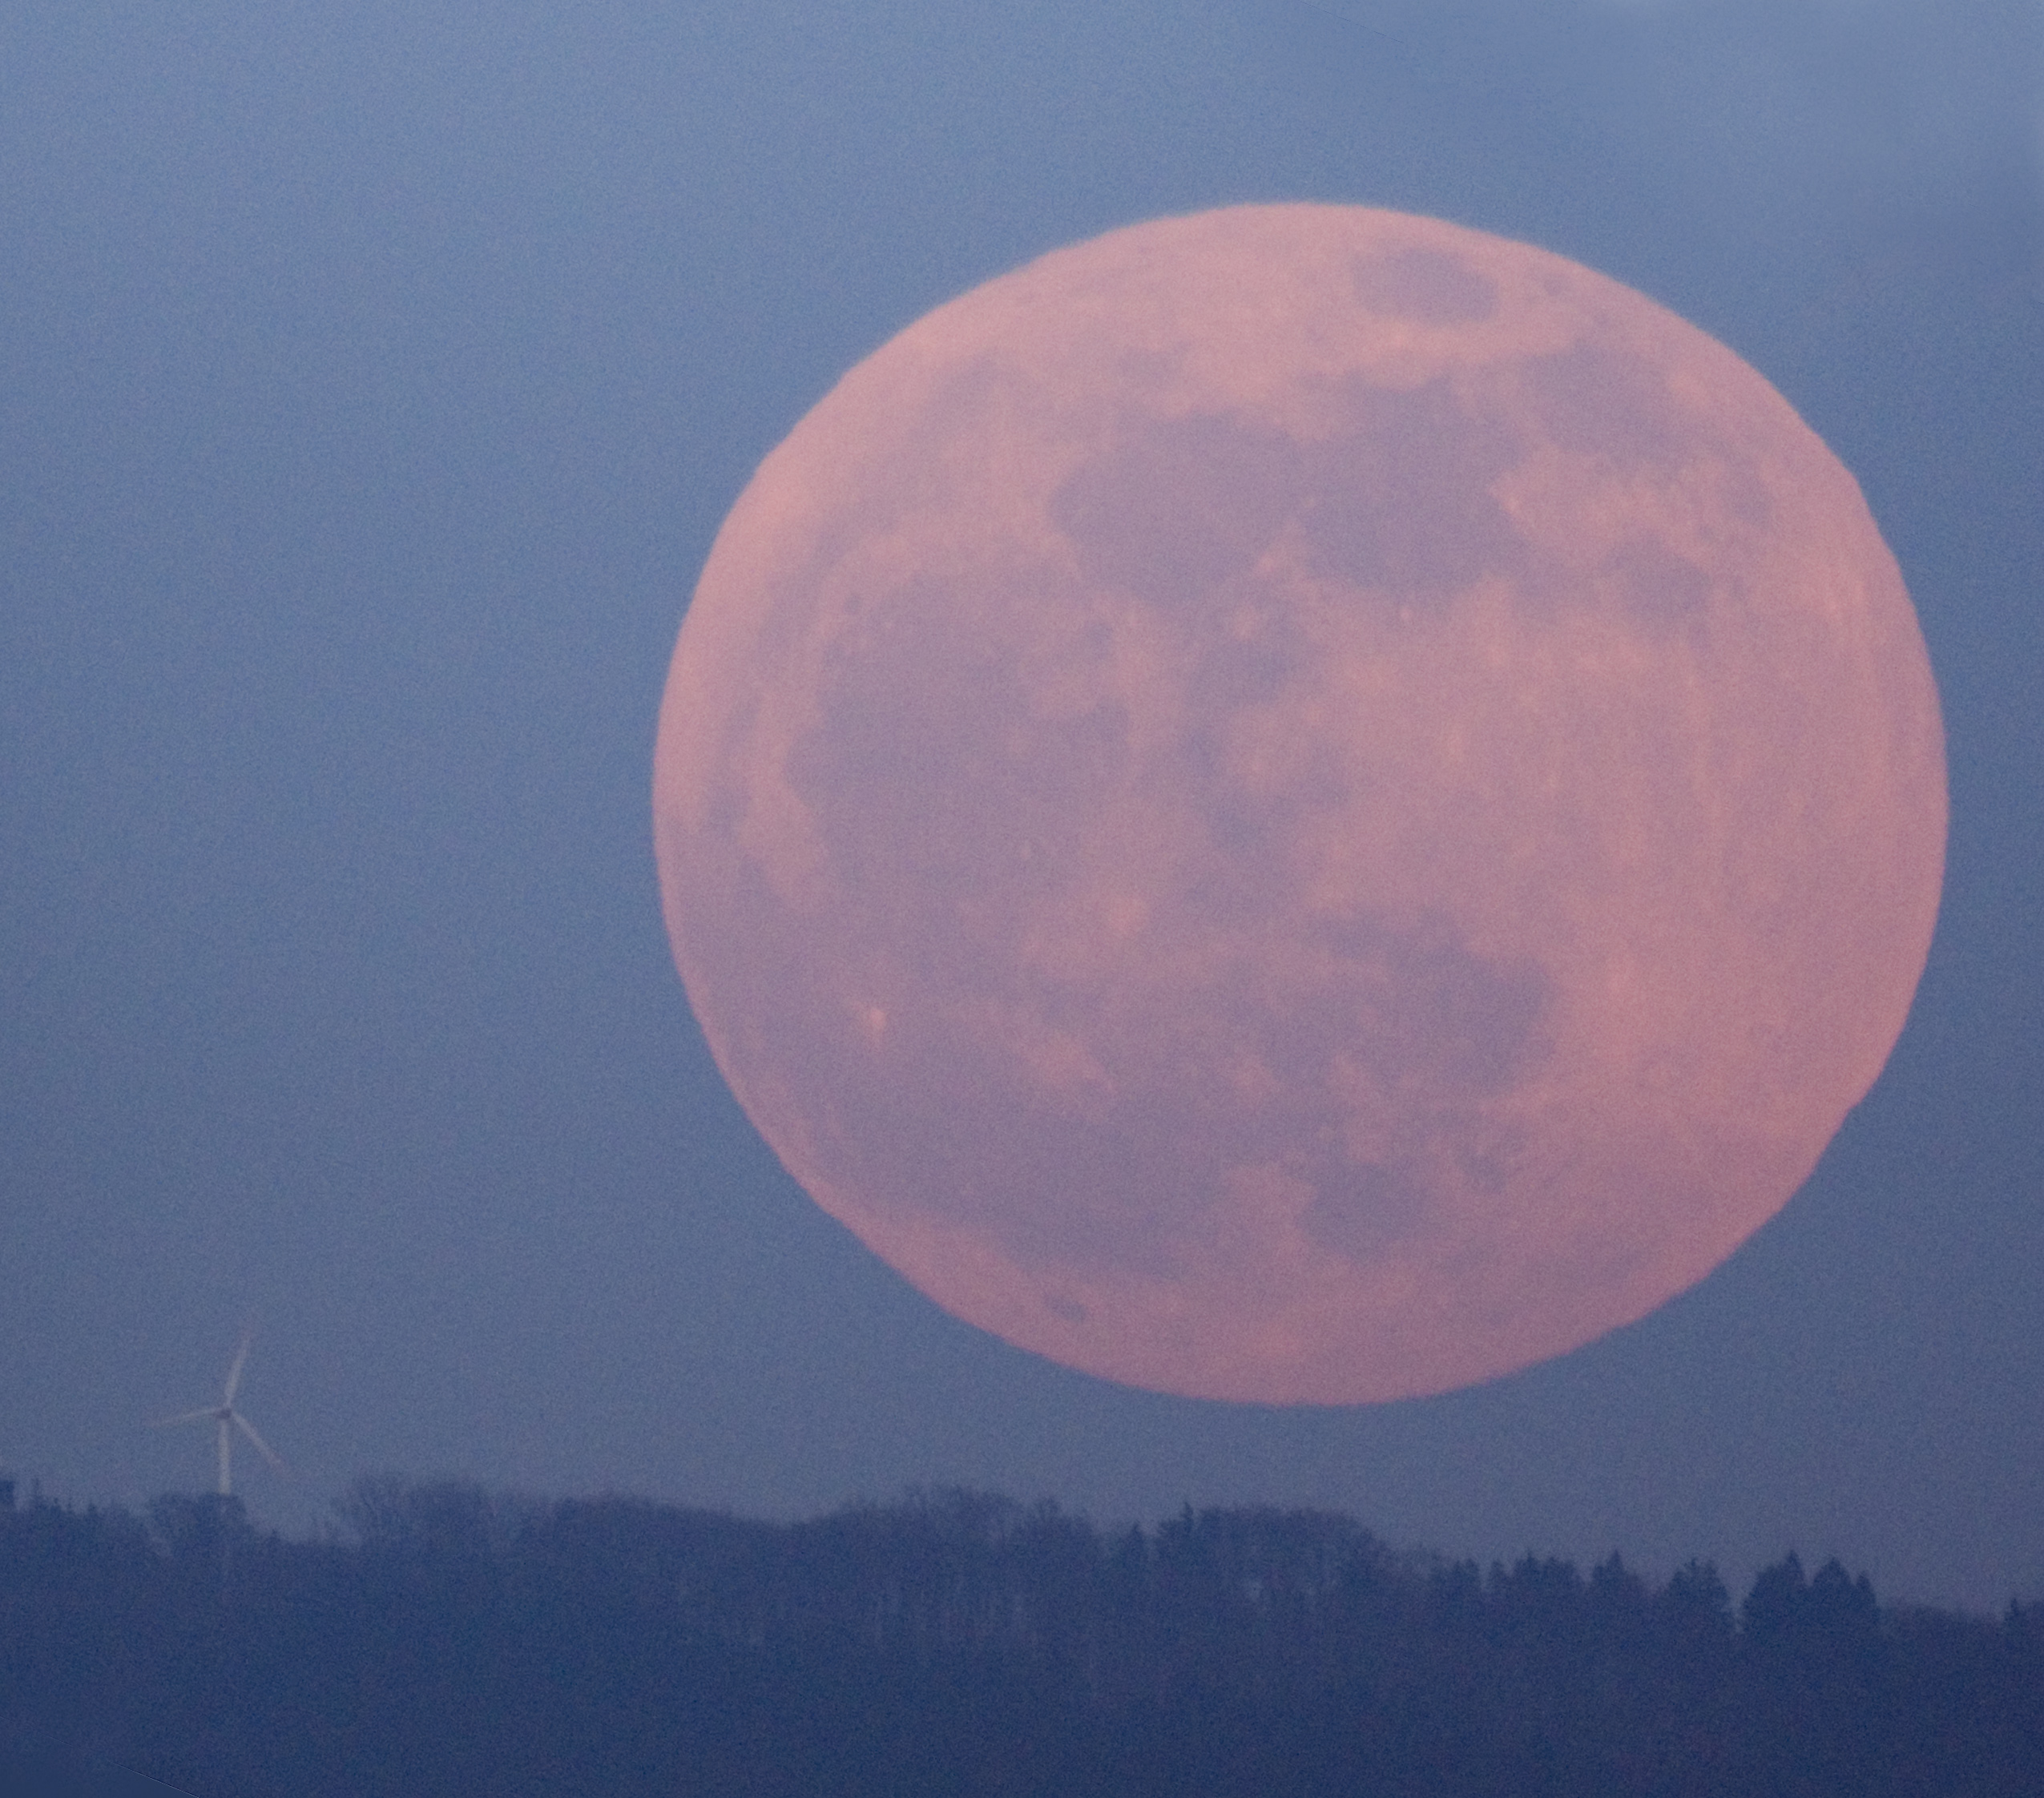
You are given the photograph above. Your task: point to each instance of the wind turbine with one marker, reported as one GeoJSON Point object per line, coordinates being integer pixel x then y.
{"type": "Point", "coordinates": [228, 1420]}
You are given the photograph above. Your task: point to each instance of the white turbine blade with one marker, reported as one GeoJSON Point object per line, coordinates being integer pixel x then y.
{"type": "Point", "coordinates": [186, 1418]}
{"type": "Point", "coordinates": [240, 1360]}
{"type": "Point", "coordinates": [268, 1453]}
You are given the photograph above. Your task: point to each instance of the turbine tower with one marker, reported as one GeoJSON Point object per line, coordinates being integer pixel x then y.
{"type": "Point", "coordinates": [226, 1420]}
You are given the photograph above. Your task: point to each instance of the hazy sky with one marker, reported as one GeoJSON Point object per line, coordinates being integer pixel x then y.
{"type": "Point", "coordinates": [373, 376]}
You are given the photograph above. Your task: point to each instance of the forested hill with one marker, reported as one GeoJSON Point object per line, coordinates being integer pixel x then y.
{"type": "Point", "coordinates": [449, 1642]}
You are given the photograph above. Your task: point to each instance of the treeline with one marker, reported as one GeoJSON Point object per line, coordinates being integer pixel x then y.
{"type": "Point", "coordinates": [449, 1642]}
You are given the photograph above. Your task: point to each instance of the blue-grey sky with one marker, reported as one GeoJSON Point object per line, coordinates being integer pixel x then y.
{"type": "Point", "coordinates": [373, 378]}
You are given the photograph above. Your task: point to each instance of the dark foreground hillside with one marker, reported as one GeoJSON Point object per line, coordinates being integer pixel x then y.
{"type": "Point", "coordinates": [451, 1643]}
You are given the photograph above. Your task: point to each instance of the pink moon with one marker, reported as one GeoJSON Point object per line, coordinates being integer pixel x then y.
{"type": "Point", "coordinates": [1300, 804]}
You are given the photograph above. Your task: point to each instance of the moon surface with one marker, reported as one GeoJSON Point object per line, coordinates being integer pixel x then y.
{"type": "Point", "coordinates": [1300, 804]}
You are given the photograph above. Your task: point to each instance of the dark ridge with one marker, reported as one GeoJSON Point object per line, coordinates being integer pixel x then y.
{"type": "Point", "coordinates": [445, 1640]}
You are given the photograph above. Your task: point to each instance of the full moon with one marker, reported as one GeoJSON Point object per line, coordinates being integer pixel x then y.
{"type": "Point", "coordinates": [1300, 804]}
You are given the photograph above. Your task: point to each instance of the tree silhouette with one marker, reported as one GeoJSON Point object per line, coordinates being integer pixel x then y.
{"type": "Point", "coordinates": [450, 1640]}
